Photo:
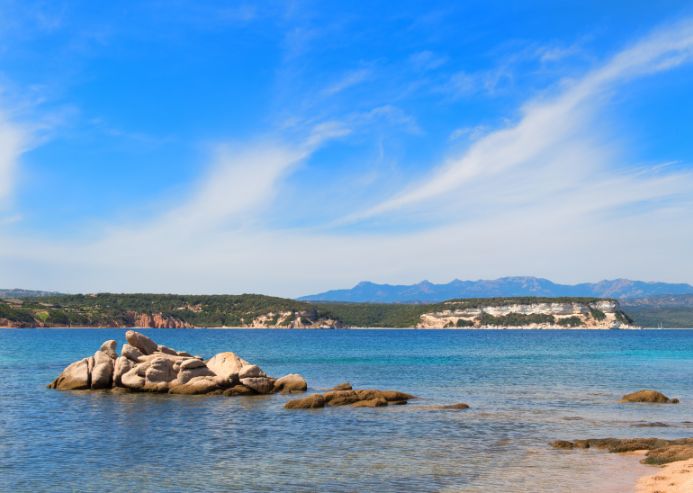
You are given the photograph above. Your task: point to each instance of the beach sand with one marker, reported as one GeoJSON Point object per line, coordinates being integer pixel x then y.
{"type": "Point", "coordinates": [676, 477]}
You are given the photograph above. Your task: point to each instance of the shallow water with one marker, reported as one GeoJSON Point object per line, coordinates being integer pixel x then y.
{"type": "Point", "coordinates": [525, 388]}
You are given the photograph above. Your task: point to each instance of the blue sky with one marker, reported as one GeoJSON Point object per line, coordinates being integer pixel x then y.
{"type": "Point", "coordinates": [290, 147]}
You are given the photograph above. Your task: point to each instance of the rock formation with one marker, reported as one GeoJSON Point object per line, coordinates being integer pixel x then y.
{"type": "Point", "coordinates": [145, 366]}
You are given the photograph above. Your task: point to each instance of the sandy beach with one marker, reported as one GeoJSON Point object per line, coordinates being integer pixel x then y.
{"type": "Point", "coordinates": [676, 477]}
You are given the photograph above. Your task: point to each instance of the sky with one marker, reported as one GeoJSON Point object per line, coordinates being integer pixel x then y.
{"type": "Point", "coordinates": [291, 147]}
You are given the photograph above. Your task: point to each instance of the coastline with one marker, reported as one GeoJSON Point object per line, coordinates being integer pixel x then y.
{"type": "Point", "coordinates": [423, 329]}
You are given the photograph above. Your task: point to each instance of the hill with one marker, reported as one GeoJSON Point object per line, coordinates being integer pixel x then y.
{"type": "Point", "coordinates": [427, 292]}
{"type": "Point", "coordinates": [250, 310]}
{"type": "Point", "coordinates": [25, 293]}
{"type": "Point", "coordinates": [668, 311]}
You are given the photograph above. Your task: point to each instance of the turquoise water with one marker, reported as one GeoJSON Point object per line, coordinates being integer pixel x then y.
{"type": "Point", "coordinates": [525, 388]}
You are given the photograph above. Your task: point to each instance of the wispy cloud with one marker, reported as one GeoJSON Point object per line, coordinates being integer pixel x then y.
{"type": "Point", "coordinates": [547, 125]}
{"type": "Point", "coordinates": [347, 81]}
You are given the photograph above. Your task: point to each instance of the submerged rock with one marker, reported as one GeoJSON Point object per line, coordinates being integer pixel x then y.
{"type": "Point", "coordinates": [342, 386]}
{"type": "Point", "coordinates": [314, 401]}
{"type": "Point", "coordinates": [145, 366]}
{"type": "Point", "coordinates": [651, 396]}
{"type": "Point", "coordinates": [660, 451]}
{"type": "Point", "coordinates": [354, 398]}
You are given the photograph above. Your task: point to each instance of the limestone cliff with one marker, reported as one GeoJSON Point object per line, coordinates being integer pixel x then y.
{"type": "Point", "coordinates": [601, 314]}
{"type": "Point", "coordinates": [292, 320]}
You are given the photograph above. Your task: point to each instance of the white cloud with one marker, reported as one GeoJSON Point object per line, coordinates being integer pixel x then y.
{"type": "Point", "coordinates": [12, 144]}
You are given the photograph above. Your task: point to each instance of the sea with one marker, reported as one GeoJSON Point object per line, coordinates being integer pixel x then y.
{"type": "Point", "coordinates": [525, 388]}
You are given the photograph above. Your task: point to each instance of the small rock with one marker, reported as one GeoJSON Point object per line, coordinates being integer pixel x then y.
{"type": "Point", "coordinates": [109, 347]}
{"type": "Point", "coordinates": [291, 383]}
{"type": "Point", "coordinates": [650, 396]}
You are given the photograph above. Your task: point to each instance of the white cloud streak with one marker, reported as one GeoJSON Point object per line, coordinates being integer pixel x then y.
{"type": "Point", "coordinates": [547, 125]}
{"type": "Point", "coordinates": [12, 144]}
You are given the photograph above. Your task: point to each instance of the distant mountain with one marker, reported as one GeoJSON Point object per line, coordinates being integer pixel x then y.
{"type": "Point", "coordinates": [25, 293]}
{"type": "Point", "coordinates": [427, 292]}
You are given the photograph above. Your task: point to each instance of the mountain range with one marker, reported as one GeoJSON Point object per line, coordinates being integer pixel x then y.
{"type": "Point", "coordinates": [427, 292]}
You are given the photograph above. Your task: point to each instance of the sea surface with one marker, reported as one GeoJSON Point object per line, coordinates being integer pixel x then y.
{"type": "Point", "coordinates": [525, 389]}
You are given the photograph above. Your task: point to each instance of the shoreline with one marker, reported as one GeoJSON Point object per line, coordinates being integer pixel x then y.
{"type": "Point", "coordinates": [674, 477]}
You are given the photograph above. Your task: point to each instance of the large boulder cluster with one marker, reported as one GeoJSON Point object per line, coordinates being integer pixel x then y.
{"type": "Point", "coordinates": [145, 366]}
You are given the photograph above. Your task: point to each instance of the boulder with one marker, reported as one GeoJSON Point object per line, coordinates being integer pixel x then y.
{"type": "Point", "coordinates": [226, 366]}
{"type": "Point", "coordinates": [102, 373]}
{"type": "Point", "coordinates": [377, 402]}
{"type": "Point", "coordinates": [131, 353]}
{"type": "Point", "coordinates": [184, 376]}
{"type": "Point", "coordinates": [261, 385]}
{"type": "Point", "coordinates": [292, 382]}
{"type": "Point", "coordinates": [314, 401]}
{"type": "Point", "coordinates": [251, 371]}
{"type": "Point", "coordinates": [75, 377]}
{"type": "Point", "coordinates": [132, 379]}
{"type": "Point", "coordinates": [650, 396]}
{"type": "Point", "coordinates": [109, 347]}
{"type": "Point", "coordinates": [192, 363]}
{"type": "Point", "coordinates": [239, 390]}
{"type": "Point", "coordinates": [141, 342]}
{"type": "Point", "coordinates": [122, 366]}
{"type": "Point", "coordinates": [197, 385]}
{"type": "Point", "coordinates": [166, 350]}
{"type": "Point", "coordinates": [159, 375]}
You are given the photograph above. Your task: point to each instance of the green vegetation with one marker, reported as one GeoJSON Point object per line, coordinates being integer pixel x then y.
{"type": "Point", "coordinates": [569, 322]}
{"type": "Point", "coordinates": [122, 310]}
{"type": "Point", "coordinates": [668, 317]}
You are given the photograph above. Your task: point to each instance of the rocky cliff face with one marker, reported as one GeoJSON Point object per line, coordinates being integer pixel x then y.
{"type": "Point", "coordinates": [604, 314]}
{"type": "Point", "coordinates": [292, 320]}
